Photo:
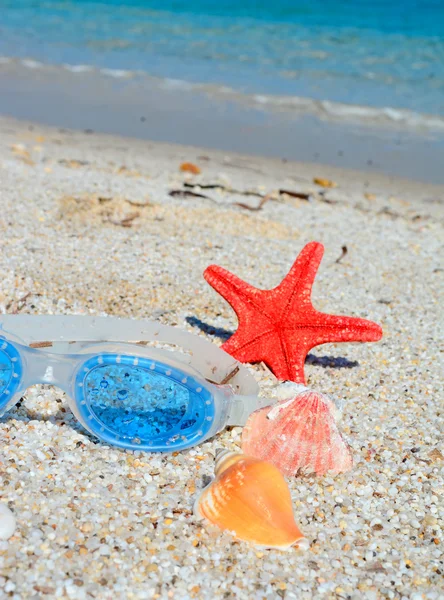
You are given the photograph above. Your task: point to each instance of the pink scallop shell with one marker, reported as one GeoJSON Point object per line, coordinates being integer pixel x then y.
{"type": "Point", "coordinates": [299, 435]}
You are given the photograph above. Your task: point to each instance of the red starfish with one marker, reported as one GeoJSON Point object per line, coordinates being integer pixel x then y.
{"type": "Point", "coordinates": [280, 326]}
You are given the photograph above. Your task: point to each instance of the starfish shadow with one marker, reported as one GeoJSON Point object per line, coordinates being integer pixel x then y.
{"type": "Point", "coordinates": [332, 362]}
{"type": "Point", "coordinates": [219, 332]}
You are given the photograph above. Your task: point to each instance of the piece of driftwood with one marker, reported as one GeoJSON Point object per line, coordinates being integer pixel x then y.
{"type": "Point", "coordinates": [263, 201]}
{"type": "Point", "coordinates": [300, 195]}
{"type": "Point", "coordinates": [125, 221]}
{"type": "Point", "coordinates": [219, 186]}
{"type": "Point", "coordinates": [344, 252]}
{"type": "Point", "coordinates": [188, 194]}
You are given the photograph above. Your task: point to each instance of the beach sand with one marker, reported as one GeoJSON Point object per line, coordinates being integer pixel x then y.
{"type": "Point", "coordinates": [88, 227]}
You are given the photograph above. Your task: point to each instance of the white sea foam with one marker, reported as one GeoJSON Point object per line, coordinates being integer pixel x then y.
{"type": "Point", "coordinates": [296, 105]}
{"type": "Point", "coordinates": [32, 64]}
{"type": "Point", "coordinates": [118, 73]}
{"type": "Point", "coordinates": [78, 68]}
{"type": "Point", "coordinates": [338, 111]}
{"type": "Point", "coordinates": [178, 84]}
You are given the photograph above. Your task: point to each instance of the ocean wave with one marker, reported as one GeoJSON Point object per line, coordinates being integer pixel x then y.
{"type": "Point", "coordinates": [117, 73]}
{"type": "Point", "coordinates": [354, 112]}
{"type": "Point", "coordinates": [392, 117]}
{"type": "Point", "coordinates": [78, 68]}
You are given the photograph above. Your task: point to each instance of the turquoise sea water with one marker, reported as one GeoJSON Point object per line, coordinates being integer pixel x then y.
{"type": "Point", "coordinates": [362, 52]}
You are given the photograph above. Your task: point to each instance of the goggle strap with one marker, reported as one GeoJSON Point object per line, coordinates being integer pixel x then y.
{"type": "Point", "coordinates": [244, 406]}
{"type": "Point", "coordinates": [210, 360]}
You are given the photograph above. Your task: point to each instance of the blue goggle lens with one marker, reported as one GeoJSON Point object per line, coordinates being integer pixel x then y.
{"type": "Point", "coordinates": [5, 371]}
{"type": "Point", "coordinates": [135, 402]}
{"type": "Point", "coordinates": [10, 372]}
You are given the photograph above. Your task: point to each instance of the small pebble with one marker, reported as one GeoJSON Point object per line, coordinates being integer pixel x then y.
{"type": "Point", "coordinates": [7, 522]}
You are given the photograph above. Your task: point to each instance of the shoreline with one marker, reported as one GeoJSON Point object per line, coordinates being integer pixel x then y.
{"type": "Point", "coordinates": [219, 118]}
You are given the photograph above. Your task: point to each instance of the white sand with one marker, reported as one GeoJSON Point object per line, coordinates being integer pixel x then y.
{"type": "Point", "coordinates": [96, 522]}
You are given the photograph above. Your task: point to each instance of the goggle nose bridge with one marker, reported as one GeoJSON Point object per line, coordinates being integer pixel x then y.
{"type": "Point", "coordinates": [44, 367]}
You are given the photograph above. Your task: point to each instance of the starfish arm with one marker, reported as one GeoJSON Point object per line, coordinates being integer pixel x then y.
{"type": "Point", "coordinates": [268, 347]}
{"type": "Point", "coordinates": [248, 349]}
{"type": "Point", "coordinates": [295, 351]}
{"type": "Point", "coordinates": [283, 372]}
{"type": "Point", "coordinates": [242, 297]}
{"type": "Point", "coordinates": [296, 371]}
{"type": "Point", "coordinates": [326, 329]}
{"type": "Point", "coordinates": [295, 289]}
{"type": "Point", "coordinates": [323, 329]}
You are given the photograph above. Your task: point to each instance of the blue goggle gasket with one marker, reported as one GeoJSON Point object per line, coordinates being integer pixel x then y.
{"type": "Point", "coordinates": [16, 371]}
{"type": "Point", "coordinates": [179, 436]}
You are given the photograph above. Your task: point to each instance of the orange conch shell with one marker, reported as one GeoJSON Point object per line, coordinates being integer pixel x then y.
{"type": "Point", "coordinates": [298, 435]}
{"type": "Point", "coordinates": [250, 498]}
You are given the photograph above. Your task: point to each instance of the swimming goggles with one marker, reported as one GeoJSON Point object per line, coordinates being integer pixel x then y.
{"type": "Point", "coordinates": [138, 395]}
